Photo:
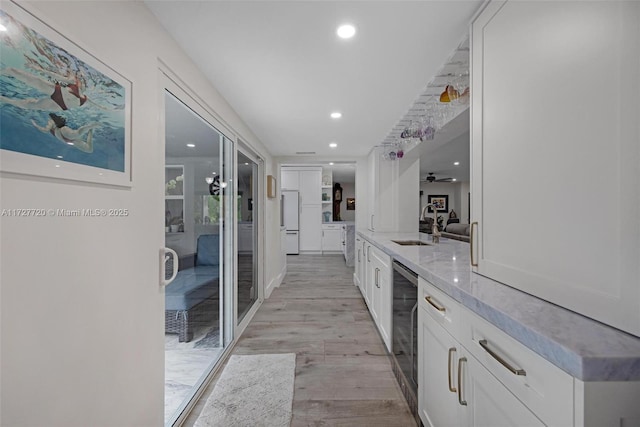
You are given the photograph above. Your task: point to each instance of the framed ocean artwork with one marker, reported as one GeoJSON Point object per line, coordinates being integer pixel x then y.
{"type": "Point", "coordinates": [63, 113]}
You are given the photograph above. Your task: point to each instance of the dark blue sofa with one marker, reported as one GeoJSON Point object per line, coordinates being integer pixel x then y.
{"type": "Point", "coordinates": [193, 295]}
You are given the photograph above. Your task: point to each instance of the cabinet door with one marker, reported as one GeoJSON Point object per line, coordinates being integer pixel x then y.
{"type": "Point", "coordinates": [289, 180]}
{"type": "Point", "coordinates": [331, 240]}
{"type": "Point", "coordinates": [488, 402]}
{"type": "Point", "coordinates": [311, 187]}
{"type": "Point", "coordinates": [310, 228]}
{"type": "Point", "coordinates": [385, 308]}
{"type": "Point", "coordinates": [438, 353]}
{"type": "Point", "coordinates": [368, 270]}
{"type": "Point", "coordinates": [358, 260]}
{"type": "Point", "coordinates": [555, 180]}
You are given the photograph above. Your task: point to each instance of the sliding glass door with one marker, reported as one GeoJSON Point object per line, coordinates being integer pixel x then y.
{"type": "Point", "coordinates": [199, 190]}
{"type": "Point", "coordinates": [248, 185]}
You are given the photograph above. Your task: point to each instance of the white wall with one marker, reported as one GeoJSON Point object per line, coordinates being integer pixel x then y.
{"type": "Point", "coordinates": [348, 190]}
{"type": "Point", "coordinates": [82, 338]}
{"type": "Point", "coordinates": [458, 197]}
{"type": "Point", "coordinates": [362, 177]}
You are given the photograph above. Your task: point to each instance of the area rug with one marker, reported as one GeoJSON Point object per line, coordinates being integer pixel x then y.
{"type": "Point", "coordinates": [253, 390]}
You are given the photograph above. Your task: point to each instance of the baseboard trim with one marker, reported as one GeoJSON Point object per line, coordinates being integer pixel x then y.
{"type": "Point", "coordinates": [275, 282]}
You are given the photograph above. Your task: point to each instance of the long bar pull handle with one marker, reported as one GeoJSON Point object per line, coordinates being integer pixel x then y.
{"type": "Point", "coordinates": [414, 374]}
{"type": "Point", "coordinates": [368, 253]}
{"type": "Point", "coordinates": [358, 254]}
{"type": "Point", "coordinates": [452, 389]}
{"type": "Point", "coordinates": [377, 273]}
{"type": "Point", "coordinates": [460, 362]}
{"type": "Point", "coordinates": [515, 371]}
{"type": "Point", "coordinates": [438, 307]}
{"type": "Point", "coordinates": [474, 226]}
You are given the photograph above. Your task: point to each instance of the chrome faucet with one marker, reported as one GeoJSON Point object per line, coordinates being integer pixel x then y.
{"type": "Point", "coordinates": [435, 233]}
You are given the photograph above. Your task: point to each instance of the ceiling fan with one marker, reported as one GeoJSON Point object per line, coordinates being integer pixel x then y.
{"type": "Point", "coordinates": [432, 178]}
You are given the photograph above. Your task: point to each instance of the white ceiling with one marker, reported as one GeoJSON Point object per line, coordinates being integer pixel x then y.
{"type": "Point", "coordinates": [283, 69]}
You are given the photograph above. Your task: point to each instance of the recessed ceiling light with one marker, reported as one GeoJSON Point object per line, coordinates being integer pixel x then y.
{"type": "Point", "coordinates": [456, 163]}
{"type": "Point", "coordinates": [191, 145]}
{"type": "Point", "coordinates": [214, 173]}
{"type": "Point", "coordinates": [333, 145]}
{"type": "Point", "coordinates": [330, 163]}
{"type": "Point", "coordinates": [59, 157]}
{"type": "Point", "coordinates": [346, 31]}
{"type": "Point", "coordinates": [336, 115]}
{"type": "Point", "coordinates": [246, 164]}
{"type": "Point", "coordinates": [3, 28]}
{"type": "Point", "coordinates": [454, 180]}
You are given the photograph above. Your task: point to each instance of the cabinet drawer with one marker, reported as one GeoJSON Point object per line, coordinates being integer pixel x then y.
{"type": "Point", "coordinates": [440, 306]}
{"type": "Point", "coordinates": [331, 227]}
{"type": "Point", "coordinates": [543, 387]}
{"type": "Point", "coordinates": [384, 259]}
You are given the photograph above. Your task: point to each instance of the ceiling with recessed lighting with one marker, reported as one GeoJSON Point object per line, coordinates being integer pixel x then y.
{"type": "Point", "coordinates": [283, 68]}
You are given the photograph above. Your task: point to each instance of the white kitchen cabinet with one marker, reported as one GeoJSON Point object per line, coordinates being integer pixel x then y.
{"type": "Point", "coordinates": [331, 238]}
{"type": "Point", "coordinates": [487, 403]}
{"type": "Point", "coordinates": [555, 168]}
{"type": "Point", "coordinates": [310, 228]}
{"type": "Point", "coordinates": [289, 179]}
{"type": "Point", "coordinates": [357, 274]}
{"type": "Point", "coordinates": [393, 186]}
{"type": "Point", "coordinates": [472, 374]}
{"type": "Point", "coordinates": [380, 300]}
{"type": "Point", "coordinates": [368, 274]}
{"type": "Point", "coordinates": [310, 186]}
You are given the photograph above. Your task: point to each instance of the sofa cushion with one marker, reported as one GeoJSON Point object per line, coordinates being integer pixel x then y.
{"type": "Point", "coordinates": [208, 250]}
{"type": "Point", "coordinates": [456, 228]}
{"type": "Point", "coordinates": [192, 286]}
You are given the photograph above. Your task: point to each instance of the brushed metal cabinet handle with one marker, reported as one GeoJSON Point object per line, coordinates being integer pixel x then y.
{"type": "Point", "coordinates": [438, 307]}
{"type": "Point", "coordinates": [474, 226]}
{"type": "Point", "coordinates": [377, 273]}
{"type": "Point", "coordinates": [460, 362]}
{"type": "Point", "coordinates": [485, 345]}
{"type": "Point", "coordinates": [452, 389]}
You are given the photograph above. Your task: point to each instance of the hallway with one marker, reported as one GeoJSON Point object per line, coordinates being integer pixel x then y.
{"type": "Point", "coordinates": [343, 375]}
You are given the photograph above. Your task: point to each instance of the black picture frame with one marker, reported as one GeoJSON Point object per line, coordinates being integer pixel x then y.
{"type": "Point", "coordinates": [440, 201]}
{"type": "Point", "coordinates": [351, 203]}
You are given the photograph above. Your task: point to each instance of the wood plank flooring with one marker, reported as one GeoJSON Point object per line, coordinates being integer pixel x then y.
{"type": "Point", "coordinates": [343, 373]}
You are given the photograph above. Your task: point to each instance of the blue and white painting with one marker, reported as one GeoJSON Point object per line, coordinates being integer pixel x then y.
{"type": "Point", "coordinates": [55, 105]}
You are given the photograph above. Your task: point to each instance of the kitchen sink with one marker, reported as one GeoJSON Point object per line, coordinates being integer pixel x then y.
{"type": "Point", "coordinates": [411, 243]}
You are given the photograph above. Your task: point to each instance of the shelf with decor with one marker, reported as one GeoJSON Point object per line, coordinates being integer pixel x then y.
{"type": "Point", "coordinates": [174, 198]}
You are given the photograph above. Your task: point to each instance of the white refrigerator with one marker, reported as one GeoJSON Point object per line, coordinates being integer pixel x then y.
{"type": "Point", "coordinates": [291, 217]}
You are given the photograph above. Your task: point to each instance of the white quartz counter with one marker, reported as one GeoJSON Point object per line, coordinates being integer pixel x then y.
{"type": "Point", "coordinates": [585, 348]}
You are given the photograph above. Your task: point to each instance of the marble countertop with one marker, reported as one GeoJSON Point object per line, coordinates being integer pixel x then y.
{"type": "Point", "coordinates": [582, 347]}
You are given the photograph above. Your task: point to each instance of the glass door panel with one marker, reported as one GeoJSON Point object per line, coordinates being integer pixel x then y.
{"type": "Point", "coordinates": [195, 227]}
{"type": "Point", "coordinates": [247, 247]}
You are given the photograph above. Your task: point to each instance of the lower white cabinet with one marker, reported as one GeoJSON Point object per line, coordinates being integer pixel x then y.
{"type": "Point", "coordinates": [376, 287]}
{"type": "Point", "coordinates": [311, 228]}
{"type": "Point", "coordinates": [357, 274]}
{"type": "Point", "coordinates": [472, 374]}
{"type": "Point", "coordinates": [331, 238]}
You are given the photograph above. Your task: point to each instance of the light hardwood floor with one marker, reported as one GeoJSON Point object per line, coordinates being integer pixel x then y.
{"type": "Point", "coordinates": [343, 374]}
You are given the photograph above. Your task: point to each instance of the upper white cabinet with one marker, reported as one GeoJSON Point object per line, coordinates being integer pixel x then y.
{"type": "Point", "coordinates": [289, 179]}
{"type": "Point", "coordinates": [556, 153]}
{"type": "Point", "coordinates": [308, 182]}
{"type": "Point", "coordinates": [393, 193]}
{"type": "Point", "coordinates": [310, 187]}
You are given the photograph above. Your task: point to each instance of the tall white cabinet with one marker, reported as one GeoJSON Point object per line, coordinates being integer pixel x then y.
{"type": "Point", "coordinates": [556, 153]}
{"type": "Point", "coordinates": [393, 201]}
{"type": "Point", "coordinates": [307, 181]}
